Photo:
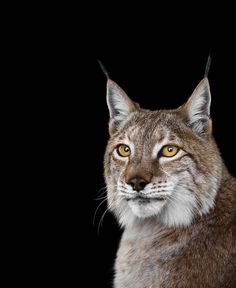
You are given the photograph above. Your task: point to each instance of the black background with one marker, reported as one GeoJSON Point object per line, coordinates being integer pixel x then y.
{"type": "Point", "coordinates": [158, 67]}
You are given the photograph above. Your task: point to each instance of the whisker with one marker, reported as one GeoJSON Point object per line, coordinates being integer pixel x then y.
{"type": "Point", "coordinates": [100, 198]}
{"type": "Point", "coordinates": [95, 213]}
{"type": "Point", "coordinates": [125, 192]}
{"type": "Point", "coordinates": [113, 202]}
{"type": "Point", "coordinates": [101, 220]}
{"type": "Point", "coordinates": [171, 198]}
{"type": "Point", "coordinates": [104, 189]}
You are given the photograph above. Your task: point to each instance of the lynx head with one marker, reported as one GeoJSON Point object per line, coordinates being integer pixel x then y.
{"type": "Point", "coordinates": [162, 164]}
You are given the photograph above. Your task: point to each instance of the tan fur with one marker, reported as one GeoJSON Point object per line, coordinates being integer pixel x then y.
{"type": "Point", "coordinates": [189, 240]}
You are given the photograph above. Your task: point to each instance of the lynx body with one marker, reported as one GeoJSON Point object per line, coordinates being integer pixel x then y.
{"type": "Point", "coordinates": [171, 192]}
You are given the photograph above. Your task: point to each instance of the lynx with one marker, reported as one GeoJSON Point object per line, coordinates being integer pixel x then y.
{"type": "Point", "coordinates": [169, 189]}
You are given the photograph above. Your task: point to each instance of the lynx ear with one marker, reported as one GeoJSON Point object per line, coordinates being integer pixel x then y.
{"type": "Point", "coordinates": [197, 108]}
{"type": "Point", "coordinates": [119, 104]}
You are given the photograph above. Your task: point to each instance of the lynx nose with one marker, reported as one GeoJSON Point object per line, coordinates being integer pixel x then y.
{"type": "Point", "coordinates": [137, 183]}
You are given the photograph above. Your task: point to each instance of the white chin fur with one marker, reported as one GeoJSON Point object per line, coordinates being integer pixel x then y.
{"type": "Point", "coordinates": [179, 212]}
{"type": "Point", "coordinates": [144, 210]}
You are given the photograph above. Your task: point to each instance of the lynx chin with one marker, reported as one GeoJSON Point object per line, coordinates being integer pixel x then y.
{"type": "Point", "coordinates": [169, 189]}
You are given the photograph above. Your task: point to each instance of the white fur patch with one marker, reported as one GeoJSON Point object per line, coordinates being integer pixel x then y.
{"type": "Point", "coordinates": [125, 215]}
{"type": "Point", "coordinates": [180, 210]}
{"type": "Point", "coordinates": [144, 210]}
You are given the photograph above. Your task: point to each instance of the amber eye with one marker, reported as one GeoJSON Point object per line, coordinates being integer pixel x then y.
{"type": "Point", "coordinates": [169, 151]}
{"type": "Point", "coordinates": [123, 150]}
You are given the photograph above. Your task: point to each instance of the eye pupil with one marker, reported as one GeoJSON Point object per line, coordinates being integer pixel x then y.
{"type": "Point", "coordinates": [170, 149]}
{"type": "Point", "coordinates": [126, 149]}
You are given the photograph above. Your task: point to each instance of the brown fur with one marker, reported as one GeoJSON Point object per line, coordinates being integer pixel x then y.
{"type": "Point", "coordinates": [157, 251]}
{"type": "Point", "coordinates": [205, 256]}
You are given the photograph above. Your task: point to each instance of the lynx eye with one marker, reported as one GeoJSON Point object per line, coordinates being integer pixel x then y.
{"type": "Point", "coordinates": [123, 150]}
{"type": "Point", "coordinates": [169, 151]}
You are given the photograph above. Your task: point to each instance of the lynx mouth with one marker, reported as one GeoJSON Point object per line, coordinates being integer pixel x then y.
{"type": "Point", "coordinates": [146, 206]}
{"type": "Point", "coordinates": [145, 200]}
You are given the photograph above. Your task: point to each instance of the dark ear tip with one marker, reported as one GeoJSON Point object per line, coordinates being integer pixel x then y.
{"type": "Point", "coordinates": [104, 70]}
{"type": "Point", "coordinates": [208, 65]}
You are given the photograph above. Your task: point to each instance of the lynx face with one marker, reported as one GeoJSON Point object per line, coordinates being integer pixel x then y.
{"type": "Point", "coordinates": [161, 164]}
